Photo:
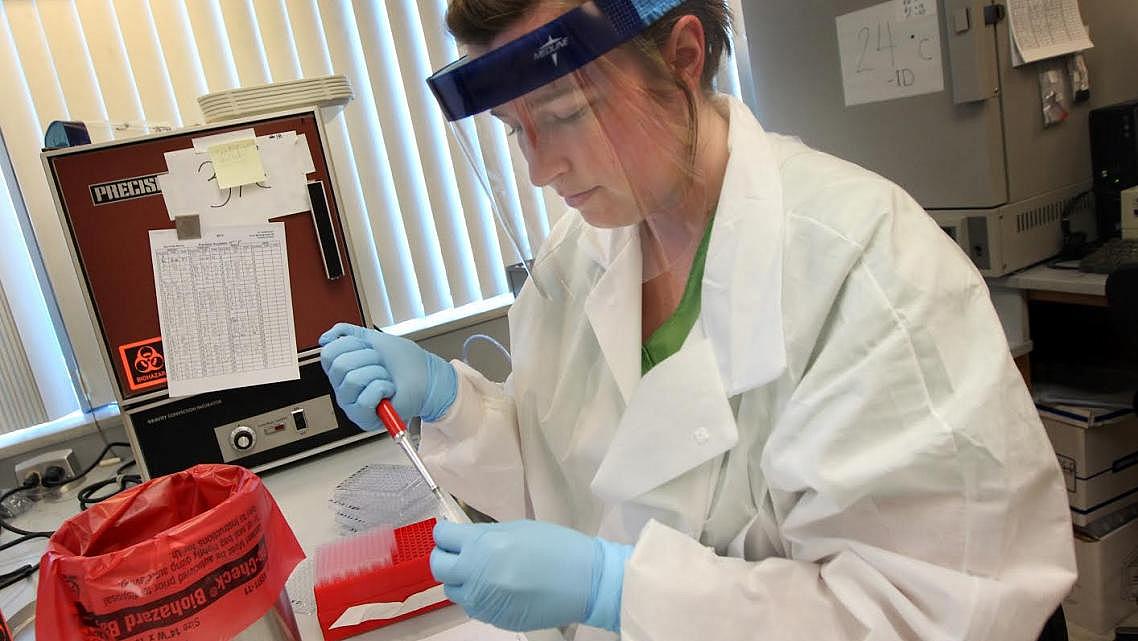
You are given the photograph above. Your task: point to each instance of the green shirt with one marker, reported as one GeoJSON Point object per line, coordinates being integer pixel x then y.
{"type": "Point", "coordinates": [670, 336]}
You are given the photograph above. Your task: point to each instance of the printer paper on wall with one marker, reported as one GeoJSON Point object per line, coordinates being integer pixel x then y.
{"type": "Point", "coordinates": [1045, 29]}
{"type": "Point", "coordinates": [890, 51]}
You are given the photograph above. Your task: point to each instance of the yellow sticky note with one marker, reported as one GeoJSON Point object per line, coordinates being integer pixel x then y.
{"type": "Point", "coordinates": [236, 163]}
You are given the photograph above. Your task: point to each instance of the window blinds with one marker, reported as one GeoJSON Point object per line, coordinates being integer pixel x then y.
{"type": "Point", "coordinates": [425, 236]}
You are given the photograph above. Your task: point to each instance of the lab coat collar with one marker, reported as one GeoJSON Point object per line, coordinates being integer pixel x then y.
{"type": "Point", "coordinates": [678, 418]}
{"type": "Point", "coordinates": [742, 280]}
{"type": "Point", "coordinates": [613, 304]}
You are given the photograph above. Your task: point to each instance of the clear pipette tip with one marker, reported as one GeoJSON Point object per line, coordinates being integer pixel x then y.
{"type": "Point", "coordinates": [398, 431]}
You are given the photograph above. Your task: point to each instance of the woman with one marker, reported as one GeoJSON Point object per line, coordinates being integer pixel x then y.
{"type": "Point", "coordinates": [757, 393]}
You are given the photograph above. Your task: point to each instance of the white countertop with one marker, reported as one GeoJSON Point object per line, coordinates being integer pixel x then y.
{"type": "Point", "coordinates": [1042, 277]}
{"type": "Point", "coordinates": [17, 601]}
{"type": "Point", "coordinates": [300, 489]}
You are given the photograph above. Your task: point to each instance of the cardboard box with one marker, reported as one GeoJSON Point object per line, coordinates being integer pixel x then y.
{"type": "Point", "coordinates": [1099, 462]}
{"type": "Point", "coordinates": [1107, 587]}
{"type": "Point", "coordinates": [1083, 416]}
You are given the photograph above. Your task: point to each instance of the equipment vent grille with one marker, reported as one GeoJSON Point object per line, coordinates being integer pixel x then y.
{"type": "Point", "coordinates": [1039, 217]}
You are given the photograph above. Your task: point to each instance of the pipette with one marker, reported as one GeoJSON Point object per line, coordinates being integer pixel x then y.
{"type": "Point", "coordinates": [398, 431]}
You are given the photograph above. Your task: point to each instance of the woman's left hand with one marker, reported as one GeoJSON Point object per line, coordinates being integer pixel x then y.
{"type": "Point", "coordinates": [527, 575]}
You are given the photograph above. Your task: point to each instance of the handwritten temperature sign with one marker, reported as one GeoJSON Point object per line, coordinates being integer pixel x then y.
{"type": "Point", "coordinates": [890, 51]}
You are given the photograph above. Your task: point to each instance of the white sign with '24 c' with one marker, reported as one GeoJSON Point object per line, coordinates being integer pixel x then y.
{"type": "Point", "coordinates": [890, 50]}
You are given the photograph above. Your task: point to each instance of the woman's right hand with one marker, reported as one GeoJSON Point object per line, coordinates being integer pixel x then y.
{"type": "Point", "coordinates": [366, 366]}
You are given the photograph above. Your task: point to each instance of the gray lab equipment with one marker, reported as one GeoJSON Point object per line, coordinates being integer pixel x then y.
{"type": "Point", "coordinates": [976, 155]}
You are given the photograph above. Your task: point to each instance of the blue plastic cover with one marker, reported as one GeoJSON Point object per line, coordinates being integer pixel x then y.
{"type": "Point", "coordinates": [470, 86]}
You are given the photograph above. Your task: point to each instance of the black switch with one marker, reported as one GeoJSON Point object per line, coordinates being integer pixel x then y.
{"type": "Point", "coordinates": [300, 420]}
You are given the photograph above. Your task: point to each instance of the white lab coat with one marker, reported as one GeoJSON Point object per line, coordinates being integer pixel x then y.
{"type": "Point", "coordinates": [842, 449]}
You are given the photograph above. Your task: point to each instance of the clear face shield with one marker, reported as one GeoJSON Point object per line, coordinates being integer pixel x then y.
{"type": "Point", "coordinates": [603, 127]}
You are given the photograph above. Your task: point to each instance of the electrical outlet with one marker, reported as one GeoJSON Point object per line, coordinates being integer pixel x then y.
{"type": "Point", "coordinates": [39, 465]}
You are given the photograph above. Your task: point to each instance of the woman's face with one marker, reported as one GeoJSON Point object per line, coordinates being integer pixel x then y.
{"type": "Point", "coordinates": [598, 137]}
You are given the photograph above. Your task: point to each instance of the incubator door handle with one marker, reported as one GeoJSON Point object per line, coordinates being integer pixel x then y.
{"type": "Point", "coordinates": [325, 230]}
{"type": "Point", "coordinates": [971, 52]}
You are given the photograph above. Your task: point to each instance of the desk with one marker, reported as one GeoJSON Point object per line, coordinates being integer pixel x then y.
{"type": "Point", "coordinates": [301, 490]}
{"type": "Point", "coordinates": [1011, 295]}
{"type": "Point", "coordinates": [1057, 285]}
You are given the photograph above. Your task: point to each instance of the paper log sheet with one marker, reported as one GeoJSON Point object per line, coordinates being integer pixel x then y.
{"type": "Point", "coordinates": [1046, 28]}
{"type": "Point", "coordinates": [225, 308]}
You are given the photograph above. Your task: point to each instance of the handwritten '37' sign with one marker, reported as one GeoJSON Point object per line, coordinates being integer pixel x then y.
{"type": "Point", "coordinates": [190, 185]}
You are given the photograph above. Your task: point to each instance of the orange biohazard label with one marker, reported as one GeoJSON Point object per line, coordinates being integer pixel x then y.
{"type": "Point", "coordinates": [144, 363]}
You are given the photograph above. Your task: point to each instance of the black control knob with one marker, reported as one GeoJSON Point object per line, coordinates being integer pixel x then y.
{"type": "Point", "coordinates": [242, 438]}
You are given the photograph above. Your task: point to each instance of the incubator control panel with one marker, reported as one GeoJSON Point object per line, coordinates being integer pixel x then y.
{"type": "Point", "coordinates": [276, 428]}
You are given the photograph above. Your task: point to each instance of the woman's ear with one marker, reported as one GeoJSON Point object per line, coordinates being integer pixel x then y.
{"type": "Point", "coordinates": [686, 51]}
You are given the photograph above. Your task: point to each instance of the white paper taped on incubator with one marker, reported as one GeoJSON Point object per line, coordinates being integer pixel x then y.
{"type": "Point", "coordinates": [225, 308]}
{"type": "Point", "coordinates": [1045, 29]}
{"type": "Point", "coordinates": [889, 51]}
{"type": "Point", "coordinates": [190, 185]}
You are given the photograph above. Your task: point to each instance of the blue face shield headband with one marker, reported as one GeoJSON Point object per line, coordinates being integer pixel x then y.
{"type": "Point", "coordinates": [470, 86]}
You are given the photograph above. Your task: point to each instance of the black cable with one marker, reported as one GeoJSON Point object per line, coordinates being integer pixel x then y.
{"type": "Point", "coordinates": [26, 570]}
{"type": "Point", "coordinates": [15, 572]}
{"type": "Point", "coordinates": [23, 539]}
{"type": "Point", "coordinates": [29, 484]}
{"type": "Point", "coordinates": [15, 530]}
{"type": "Point", "coordinates": [1075, 244]}
{"type": "Point", "coordinates": [17, 575]}
{"type": "Point", "coordinates": [87, 496]}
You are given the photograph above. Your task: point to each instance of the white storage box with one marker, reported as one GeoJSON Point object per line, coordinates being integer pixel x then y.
{"type": "Point", "coordinates": [1107, 586]}
{"type": "Point", "coordinates": [1099, 462]}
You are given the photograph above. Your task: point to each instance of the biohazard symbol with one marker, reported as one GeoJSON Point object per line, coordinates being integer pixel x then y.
{"type": "Point", "coordinates": [148, 360]}
{"type": "Point", "coordinates": [143, 365]}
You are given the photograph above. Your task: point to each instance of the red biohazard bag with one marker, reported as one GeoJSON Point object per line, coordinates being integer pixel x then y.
{"type": "Point", "coordinates": [200, 554]}
{"type": "Point", "coordinates": [5, 633]}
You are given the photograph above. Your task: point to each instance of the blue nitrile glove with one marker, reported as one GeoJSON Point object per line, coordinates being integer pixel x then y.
{"type": "Point", "coordinates": [527, 575]}
{"type": "Point", "coordinates": [366, 366]}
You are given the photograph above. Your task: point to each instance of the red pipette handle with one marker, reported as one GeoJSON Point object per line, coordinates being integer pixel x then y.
{"type": "Point", "coordinates": [390, 418]}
